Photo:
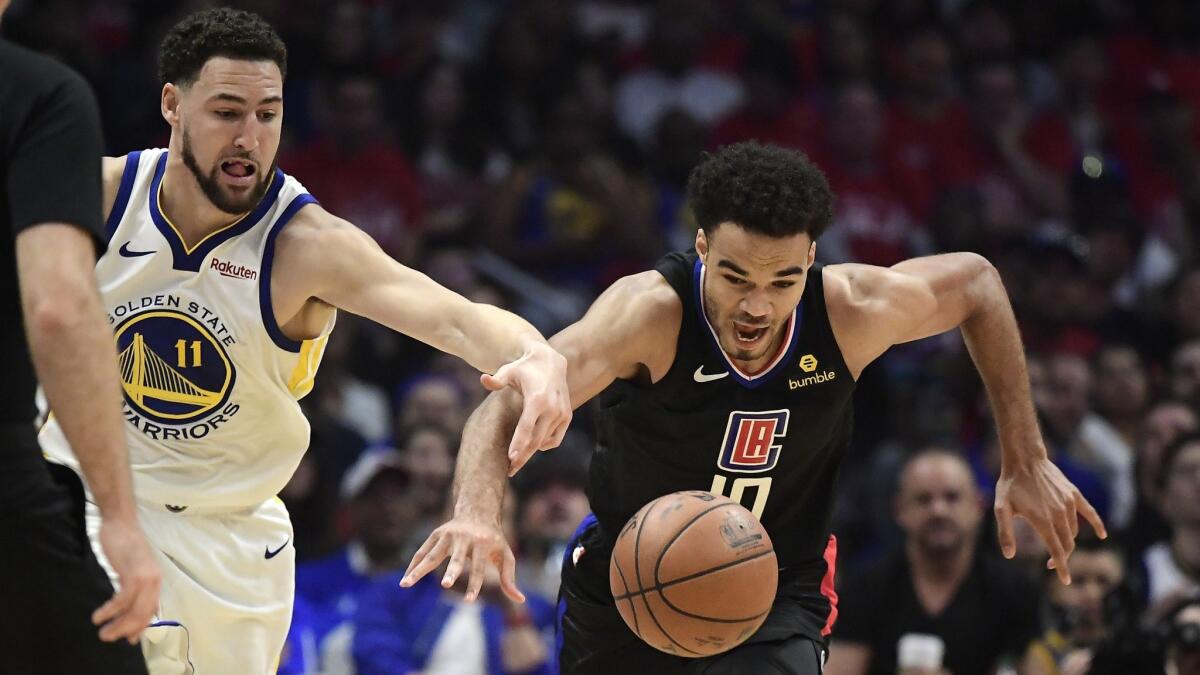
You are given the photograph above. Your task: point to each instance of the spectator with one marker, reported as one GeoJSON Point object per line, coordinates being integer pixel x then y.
{"type": "Point", "coordinates": [1173, 566]}
{"type": "Point", "coordinates": [357, 170]}
{"type": "Point", "coordinates": [383, 512]}
{"type": "Point", "coordinates": [1122, 390]}
{"type": "Point", "coordinates": [360, 406]}
{"type": "Point", "coordinates": [679, 143]}
{"type": "Point", "coordinates": [674, 79]}
{"type": "Point", "coordinates": [431, 399]}
{"type": "Point", "coordinates": [1164, 424]}
{"type": "Point", "coordinates": [872, 223]}
{"type": "Point", "coordinates": [773, 112]}
{"type": "Point", "coordinates": [1077, 433]}
{"type": "Point", "coordinates": [1185, 374]}
{"type": "Point", "coordinates": [1018, 181]}
{"type": "Point", "coordinates": [927, 120]}
{"type": "Point", "coordinates": [427, 452]}
{"type": "Point", "coordinates": [433, 630]}
{"type": "Point", "coordinates": [452, 152]}
{"type": "Point", "coordinates": [941, 589]}
{"type": "Point", "coordinates": [551, 505]}
{"type": "Point", "coordinates": [573, 214]}
{"type": "Point", "coordinates": [1078, 622]}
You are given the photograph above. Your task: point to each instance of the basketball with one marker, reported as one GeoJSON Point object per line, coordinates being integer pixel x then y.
{"type": "Point", "coordinates": [693, 574]}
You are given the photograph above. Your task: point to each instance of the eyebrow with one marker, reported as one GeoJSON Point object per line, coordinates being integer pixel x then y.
{"type": "Point", "coordinates": [233, 98]}
{"type": "Point", "coordinates": [781, 273]}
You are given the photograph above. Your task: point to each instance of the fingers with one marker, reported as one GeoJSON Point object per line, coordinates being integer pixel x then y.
{"type": "Point", "coordinates": [478, 570]}
{"type": "Point", "coordinates": [508, 577]}
{"type": "Point", "coordinates": [492, 382]}
{"type": "Point", "coordinates": [522, 440]}
{"type": "Point", "coordinates": [457, 556]}
{"type": "Point", "coordinates": [107, 614]}
{"type": "Point", "coordinates": [426, 560]}
{"type": "Point", "coordinates": [127, 614]}
{"type": "Point", "coordinates": [1004, 530]}
{"type": "Point", "coordinates": [556, 438]}
{"type": "Point", "coordinates": [1058, 556]}
{"type": "Point", "coordinates": [1090, 515]}
{"type": "Point", "coordinates": [1068, 547]}
{"type": "Point", "coordinates": [515, 464]}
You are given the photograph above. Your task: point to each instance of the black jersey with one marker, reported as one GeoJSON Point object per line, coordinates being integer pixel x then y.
{"type": "Point", "coordinates": [771, 441]}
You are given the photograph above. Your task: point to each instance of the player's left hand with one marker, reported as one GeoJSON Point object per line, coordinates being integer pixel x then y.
{"type": "Point", "coordinates": [541, 378]}
{"type": "Point", "coordinates": [1042, 495]}
{"type": "Point", "coordinates": [467, 540]}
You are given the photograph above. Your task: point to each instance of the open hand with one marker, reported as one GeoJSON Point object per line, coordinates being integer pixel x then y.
{"type": "Point", "coordinates": [464, 539]}
{"type": "Point", "coordinates": [1042, 495]}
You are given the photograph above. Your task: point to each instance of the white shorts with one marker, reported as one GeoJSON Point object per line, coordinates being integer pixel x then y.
{"type": "Point", "coordinates": [225, 605]}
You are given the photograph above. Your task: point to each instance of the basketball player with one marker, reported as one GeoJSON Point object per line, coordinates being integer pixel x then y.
{"type": "Point", "coordinates": [731, 369]}
{"type": "Point", "coordinates": [53, 594]}
{"type": "Point", "coordinates": [221, 283]}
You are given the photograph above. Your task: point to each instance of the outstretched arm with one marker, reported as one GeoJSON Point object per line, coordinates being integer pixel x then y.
{"type": "Point", "coordinates": [331, 261]}
{"type": "Point", "coordinates": [874, 308]}
{"type": "Point", "coordinates": [630, 331]}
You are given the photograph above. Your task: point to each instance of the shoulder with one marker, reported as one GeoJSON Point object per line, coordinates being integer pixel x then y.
{"type": "Point", "coordinates": [316, 233]}
{"type": "Point", "coordinates": [646, 292]}
{"type": "Point", "coordinates": [854, 287]}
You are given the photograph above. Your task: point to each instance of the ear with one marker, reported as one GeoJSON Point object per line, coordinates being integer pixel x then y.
{"type": "Point", "coordinates": [812, 254]}
{"type": "Point", "coordinates": [169, 104]}
{"type": "Point", "coordinates": [702, 246]}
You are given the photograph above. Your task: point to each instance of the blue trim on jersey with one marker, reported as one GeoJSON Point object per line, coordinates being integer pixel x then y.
{"type": "Point", "coordinates": [191, 262]}
{"type": "Point", "coordinates": [264, 283]}
{"type": "Point", "coordinates": [761, 378]}
{"type": "Point", "coordinates": [561, 610]}
{"type": "Point", "coordinates": [122, 201]}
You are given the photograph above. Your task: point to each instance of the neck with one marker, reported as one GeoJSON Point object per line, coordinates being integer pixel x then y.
{"type": "Point", "coordinates": [949, 569]}
{"type": "Point", "coordinates": [185, 204]}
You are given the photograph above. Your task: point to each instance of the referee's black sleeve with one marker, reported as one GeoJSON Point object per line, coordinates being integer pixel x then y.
{"type": "Point", "coordinates": [55, 157]}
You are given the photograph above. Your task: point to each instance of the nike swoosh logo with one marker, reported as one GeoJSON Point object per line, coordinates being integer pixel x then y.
{"type": "Point", "coordinates": [272, 554]}
{"type": "Point", "coordinates": [132, 254]}
{"type": "Point", "coordinates": [699, 375]}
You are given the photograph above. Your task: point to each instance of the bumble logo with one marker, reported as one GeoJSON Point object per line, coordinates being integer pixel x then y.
{"type": "Point", "coordinates": [808, 363]}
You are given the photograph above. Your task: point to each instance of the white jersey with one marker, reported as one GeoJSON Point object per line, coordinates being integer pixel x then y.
{"type": "Point", "coordinates": [211, 383]}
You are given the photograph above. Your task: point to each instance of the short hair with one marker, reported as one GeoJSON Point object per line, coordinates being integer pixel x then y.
{"type": "Point", "coordinates": [1173, 451]}
{"type": "Point", "coordinates": [232, 33]}
{"type": "Point", "coordinates": [765, 189]}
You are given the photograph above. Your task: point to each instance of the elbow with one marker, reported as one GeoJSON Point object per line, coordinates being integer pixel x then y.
{"type": "Point", "coordinates": [55, 312]}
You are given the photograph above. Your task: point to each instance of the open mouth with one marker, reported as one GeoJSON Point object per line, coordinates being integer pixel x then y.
{"type": "Point", "coordinates": [748, 334]}
{"type": "Point", "coordinates": [239, 171]}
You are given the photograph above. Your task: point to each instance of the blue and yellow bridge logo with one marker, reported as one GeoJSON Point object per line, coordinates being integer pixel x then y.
{"type": "Point", "coordinates": [173, 369]}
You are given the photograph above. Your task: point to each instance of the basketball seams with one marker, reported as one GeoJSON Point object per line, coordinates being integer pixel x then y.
{"type": "Point", "coordinates": [637, 568]}
{"type": "Point", "coordinates": [636, 628]}
{"type": "Point", "coordinates": [691, 577]}
{"type": "Point", "coordinates": [679, 533]}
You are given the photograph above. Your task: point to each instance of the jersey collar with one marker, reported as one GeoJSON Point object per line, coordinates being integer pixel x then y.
{"type": "Point", "coordinates": [190, 259]}
{"type": "Point", "coordinates": [786, 348]}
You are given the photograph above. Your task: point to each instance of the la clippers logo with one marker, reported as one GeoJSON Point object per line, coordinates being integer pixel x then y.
{"type": "Point", "coordinates": [752, 440]}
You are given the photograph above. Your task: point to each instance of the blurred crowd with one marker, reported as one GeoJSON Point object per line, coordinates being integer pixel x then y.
{"type": "Point", "coordinates": [526, 153]}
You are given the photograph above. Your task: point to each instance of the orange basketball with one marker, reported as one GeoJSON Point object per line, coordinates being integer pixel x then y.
{"type": "Point", "coordinates": [693, 574]}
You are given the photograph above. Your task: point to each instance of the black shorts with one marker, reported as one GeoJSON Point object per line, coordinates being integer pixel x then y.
{"type": "Point", "coordinates": [50, 580]}
{"type": "Point", "coordinates": [593, 638]}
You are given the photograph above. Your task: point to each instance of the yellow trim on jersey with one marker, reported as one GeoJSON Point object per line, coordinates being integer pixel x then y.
{"type": "Point", "coordinates": [309, 360]}
{"type": "Point", "coordinates": [188, 249]}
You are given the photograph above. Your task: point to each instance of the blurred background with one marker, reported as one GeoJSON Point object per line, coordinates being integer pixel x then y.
{"type": "Point", "coordinates": [527, 153]}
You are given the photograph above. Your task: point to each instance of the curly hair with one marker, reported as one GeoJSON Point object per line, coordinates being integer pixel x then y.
{"type": "Point", "coordinates": [765, 189]}
{"type": "Point", "coordinates": [202, 35]}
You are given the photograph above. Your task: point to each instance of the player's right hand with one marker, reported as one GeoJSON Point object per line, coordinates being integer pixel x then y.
{"type": "Point", "coordinates": [131, 610]}
{"type": "Point", "coordinates": [464, 539]}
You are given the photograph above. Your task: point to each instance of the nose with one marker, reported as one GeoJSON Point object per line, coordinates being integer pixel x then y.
{"type": "Point", "coordinates": [756, 304]}
{"type": "Point", "coordinates": [247, 137]}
